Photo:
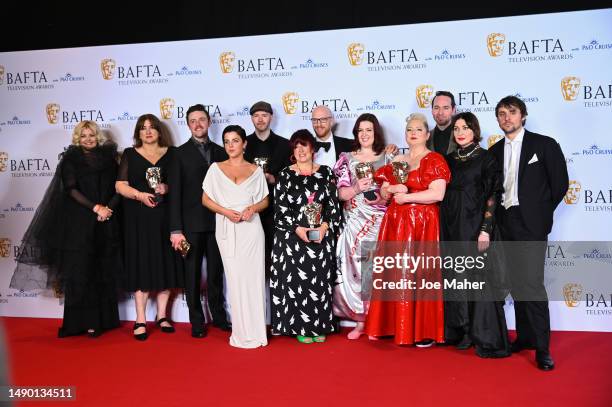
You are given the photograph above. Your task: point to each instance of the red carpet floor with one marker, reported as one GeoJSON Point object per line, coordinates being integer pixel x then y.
{"type": "Point", "coordinates": [174, 369]}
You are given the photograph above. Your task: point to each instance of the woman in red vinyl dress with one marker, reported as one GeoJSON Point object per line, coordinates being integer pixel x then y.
{"type": "Point", "coordinates": [411, 315]}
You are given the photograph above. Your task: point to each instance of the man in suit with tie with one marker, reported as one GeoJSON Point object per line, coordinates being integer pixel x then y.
{"type": "Point", "coordinates": [535, 182]}
{"type": "Point", "coordinates": [191, 221]}
{"type": "Point", "coordinates": [327, 146]}
{"type": "Point", "coordinates": [443, 109]}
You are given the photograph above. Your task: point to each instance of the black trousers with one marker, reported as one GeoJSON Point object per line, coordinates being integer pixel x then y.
{"type": "Point", "coordinates": [526, 269]}
{"type": "Point", "coordinates": [204, 244]}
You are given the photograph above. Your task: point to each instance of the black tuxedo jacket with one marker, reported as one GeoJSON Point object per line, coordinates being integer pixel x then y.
{"type": "Point", "coordinates": [342, 145]}
{"type": "Point", "coordinates": [187, 173]}
{"type": "Point", "coordinates": [281, 152]}
{"type": "Point", "coordinates": [541, 184]}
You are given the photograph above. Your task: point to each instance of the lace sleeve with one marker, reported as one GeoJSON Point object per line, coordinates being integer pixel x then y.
{"type": "Point", "coordinates": [492, 180]}
{"type": "Point", "coordinates": [123, 167]}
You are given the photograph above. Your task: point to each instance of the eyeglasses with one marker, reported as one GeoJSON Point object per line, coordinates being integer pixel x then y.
{"type": "Point", "coordinates": [322, 120]}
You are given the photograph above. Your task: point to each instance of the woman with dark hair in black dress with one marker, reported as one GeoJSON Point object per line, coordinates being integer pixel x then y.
{"type": "Point", "coordinates": [468, 224]}
{"type": "Point", "coordinates": [150, 262]}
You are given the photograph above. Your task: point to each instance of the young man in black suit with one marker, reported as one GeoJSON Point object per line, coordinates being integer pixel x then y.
{"type": "Point", "coordinates": [191, 221]}
{"type": "Point", "coordinates": [265, 145]}
{"type": "Point", "coordinates": [535, 181]}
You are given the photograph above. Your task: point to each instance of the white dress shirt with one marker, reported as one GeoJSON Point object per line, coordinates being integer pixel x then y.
{"type": "Point", "coordinates": [323, 157]}
{"type": "Point", "coordinates": [512, 149]}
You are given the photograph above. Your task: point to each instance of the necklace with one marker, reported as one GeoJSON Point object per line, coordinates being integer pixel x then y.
{"type": "Point", "coordinates": [463, 157]}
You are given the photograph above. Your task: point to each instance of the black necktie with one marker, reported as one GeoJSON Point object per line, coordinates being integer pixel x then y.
{"type": "Point", "coordinates": [322, 144]}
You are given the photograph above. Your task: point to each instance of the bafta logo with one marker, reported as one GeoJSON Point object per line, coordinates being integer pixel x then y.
{"type": "Point", "coordinates": [424, 94]}
{"type": "Point", "coordinates": [5, 246]}
{"type": "Point", "coordinates": [107, 66]}
{"type": "Point", "coordinates": [495, 44]}
{"type": "Point", "coordinates": [1, 75]}
{"type": "Point", "coordinates": [166, 106]}
{"type": "Point", "coordinates": [355, 53]}
{"type": "Point", "coordinates": [3, 161]}
{"type": "Point", "coordinates": [290, 100]}
{"type": "Point", "coordinates": [226, 60]}
{"type": "Point", "coordinates": [493, 139]}
{"type": "Point", "coordinates": [573, 193]}
{"type": "Point", "coordinates": [571, 294]}
{"type": "Point", "coordinates": [569, 87]}
{"type": "Point", "coordinates": [52, 113]}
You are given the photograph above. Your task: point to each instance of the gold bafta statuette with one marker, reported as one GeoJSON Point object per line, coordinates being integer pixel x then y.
{"type": "Point", "coordinates": [400, 171]}
{"type": "Point", "coordinates": [184, 247]}
{"type": "Point", "coordinates": [153, 176]}
{"type": "Point", "coordinates": [366, 170]}
{"type": "Point", "coordinates": [313, 211]}
{"type": "Point", "coordinates": [263, 163]}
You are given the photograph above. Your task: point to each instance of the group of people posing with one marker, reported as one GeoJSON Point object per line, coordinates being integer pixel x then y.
{"type": "Point", "coordinates": [292, 216]}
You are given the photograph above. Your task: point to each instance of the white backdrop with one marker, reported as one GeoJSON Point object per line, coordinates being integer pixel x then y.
{"type": "Point", "coordinates": [558, 63]}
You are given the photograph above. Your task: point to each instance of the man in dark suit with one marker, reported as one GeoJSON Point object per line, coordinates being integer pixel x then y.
{"type": "Point", "coordinates": [535, 182]}
{"type": "Point", "coordinates": [441, 137]}
{"type": "Point", "coordinates": [265, 145]}
{"type": "Point", "coordinates": [191, 221]}
{"type": "Point", "coordinates": [328, 147]}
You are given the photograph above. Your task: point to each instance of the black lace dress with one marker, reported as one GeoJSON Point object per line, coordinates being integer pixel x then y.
{"type": "Point", "coordinates": [467, 209]}
{"type": "Point", "coordinates": [67, 249]}
{"type": "Point", "coordinates": [150, 262]}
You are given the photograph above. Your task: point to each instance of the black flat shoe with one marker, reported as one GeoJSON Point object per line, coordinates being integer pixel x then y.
{"type": "Point", "coordinates": [165, 329]}
{"type": "Point", "coordinates": [544, 361]}
{"type": "Point", "coordinates": [143, 336]}
{"type": "Point", "coordinates": [199, 332]}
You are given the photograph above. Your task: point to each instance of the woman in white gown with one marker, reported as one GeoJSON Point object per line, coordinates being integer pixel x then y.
{"type": "Point", "coordinates": [236, 191]}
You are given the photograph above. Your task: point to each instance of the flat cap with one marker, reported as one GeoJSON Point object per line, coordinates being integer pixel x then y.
{"type": "Point", "coordinates": [261, 106]}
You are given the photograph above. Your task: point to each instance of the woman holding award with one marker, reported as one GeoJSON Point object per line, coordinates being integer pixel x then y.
{"type": "Point", "coordinates": [75, 236]}
{"type": "Point", "coordinates": [363, 212]}
{"type": "Point", "coordinates": [414, 183]}
{"type": "Point", "coordinates": [237, 192]}
{"type": "Point", "coordinates": [307, 217]}
{"type": "Point", "coordinates": [150, 262]}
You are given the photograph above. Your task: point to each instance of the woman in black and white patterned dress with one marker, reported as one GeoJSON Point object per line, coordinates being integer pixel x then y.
{"type": "Point", "coordinates": [304, 269]}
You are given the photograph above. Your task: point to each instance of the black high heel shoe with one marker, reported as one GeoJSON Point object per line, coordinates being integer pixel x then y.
{"type": "Point", "coordinates": [165, 329]}
{"type": "Point", "coordinates": [143, 336]}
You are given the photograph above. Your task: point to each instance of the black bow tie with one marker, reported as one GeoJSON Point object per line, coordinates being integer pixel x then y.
{"type": "Point", "coordinates": [322, 144]}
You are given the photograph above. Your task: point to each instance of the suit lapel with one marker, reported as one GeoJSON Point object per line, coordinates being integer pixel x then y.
{"type": "Point", "coordinates": [194, 150]}
{"type": "Point", "coordinates": [526, 153]}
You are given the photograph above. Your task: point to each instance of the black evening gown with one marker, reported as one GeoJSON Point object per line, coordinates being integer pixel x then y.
{"type": "Point", "coordinates": [150, 262]}
{"type": "Point", "coordinates": [467, 209]}
{"type": "Point", "coordinates": [76, 255]}
{"type": "Point", "coordinates": [302, 273]}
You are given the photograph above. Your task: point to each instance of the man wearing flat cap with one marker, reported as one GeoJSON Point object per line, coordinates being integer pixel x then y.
{"type": "Point", "coordinates": [270, 151]}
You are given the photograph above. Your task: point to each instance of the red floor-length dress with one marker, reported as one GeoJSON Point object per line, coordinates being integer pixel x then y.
{"type": "Point", "coordinates": [405, 317]}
